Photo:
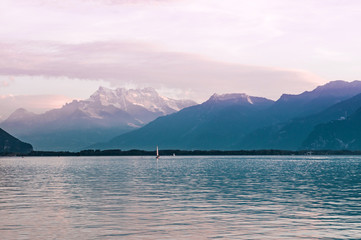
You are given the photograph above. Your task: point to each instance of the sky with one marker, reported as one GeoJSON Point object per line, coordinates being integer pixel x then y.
{"type": "Point", "coordinates": [53, 51]}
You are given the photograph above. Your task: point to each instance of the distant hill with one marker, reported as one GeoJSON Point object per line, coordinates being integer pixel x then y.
{"type": "Point", "coordinates": [10, 144]}
{"type": "Point", "coordinates": [106, 114]}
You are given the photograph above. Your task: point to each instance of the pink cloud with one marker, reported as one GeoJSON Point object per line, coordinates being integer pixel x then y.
{"type": "Point", "coordinates": [6, 83]}
{"type": "Point", "coordinates": [280, 33]}
{"type": "Point", "coordinates": [146, 65]}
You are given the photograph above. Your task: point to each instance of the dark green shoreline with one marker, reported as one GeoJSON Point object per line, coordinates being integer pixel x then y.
{"type": "Point", "coordinates": [135, 152]}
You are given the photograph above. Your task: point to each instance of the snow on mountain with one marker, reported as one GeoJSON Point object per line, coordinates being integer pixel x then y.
{"type": "Point", "coordinates": [231, 97]}
{"type": "Point", "coordinates": [143, 105]}
{"type": "Point", "coordinates": [147, 98]}
{"type": "Point", "coordinates": [239, 98]}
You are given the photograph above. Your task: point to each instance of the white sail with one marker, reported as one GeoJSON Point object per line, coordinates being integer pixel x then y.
{"type": "Point", "coordinates": [157, 153]}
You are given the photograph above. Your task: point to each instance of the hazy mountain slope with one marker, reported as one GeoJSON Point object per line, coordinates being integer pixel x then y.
{"type": "Point", "coordinates": [106, 114]}
{"type": "Point", "coordinates": [291, 134]}
{"type": "Point", "coordinates": [216, 124]}
{"type": "Point", "coordinates": [344, 133]}
{"type": "Point", "coordinates": [10, 144]}
{"type": "Point", "coordinates": [311, 102]}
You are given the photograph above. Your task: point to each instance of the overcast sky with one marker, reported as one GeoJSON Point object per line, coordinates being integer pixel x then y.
{"type": "Point", "coordinates": [52, 51]}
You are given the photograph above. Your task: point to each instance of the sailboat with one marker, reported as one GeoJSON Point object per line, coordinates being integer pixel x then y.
{"type": "Point", "coordinates": [157, 157]}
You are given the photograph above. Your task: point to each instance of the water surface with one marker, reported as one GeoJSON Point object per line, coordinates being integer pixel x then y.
{"type": "Point", "coordinates": [180, 198]}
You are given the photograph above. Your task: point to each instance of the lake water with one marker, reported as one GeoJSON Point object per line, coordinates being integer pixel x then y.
{"type": "Point", "coordinates": [263, 197]}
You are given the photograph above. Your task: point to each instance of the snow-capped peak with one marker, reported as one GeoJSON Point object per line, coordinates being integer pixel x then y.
{"type": "Point", "coordinates": [232, 97]}
{"type": "Point", "coordinates": [105, 108]}
{"type": "Point", "coordinates": [147, 98]}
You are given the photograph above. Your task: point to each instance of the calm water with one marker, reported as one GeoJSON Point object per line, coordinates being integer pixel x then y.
{"type": "Point", "coordinates": [180, 198]}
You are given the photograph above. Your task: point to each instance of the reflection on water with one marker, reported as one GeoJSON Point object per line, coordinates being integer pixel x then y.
{"type": "Point", "coordinates": [180, 198]}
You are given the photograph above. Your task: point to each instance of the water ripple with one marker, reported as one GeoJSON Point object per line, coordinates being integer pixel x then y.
{"type": "Point", "coordinates": [180, 198]}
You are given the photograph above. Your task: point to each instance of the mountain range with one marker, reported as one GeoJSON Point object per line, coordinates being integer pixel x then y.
{"type": "Point", "coordinates": [215, 124]}
{"type": "Point", "coordinates": [106, 114]}
{"type": "Point", "coordinates": [327, 117]}
{"type": "Point", "coordinates": [239, 121]}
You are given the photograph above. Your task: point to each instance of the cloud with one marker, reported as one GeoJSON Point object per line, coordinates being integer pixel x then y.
{"type": "Point", "coordinates": [144, 65]}
{"type": "Point", "coordinates": [116, 2]}
{"type": "Point", "coordinates": [260, 32]}
{"type": "Point", "coordinates": [7, 82]}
